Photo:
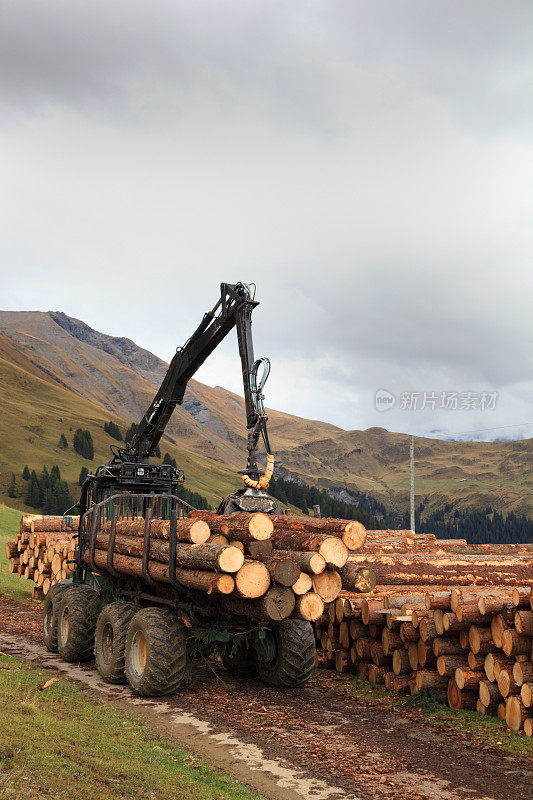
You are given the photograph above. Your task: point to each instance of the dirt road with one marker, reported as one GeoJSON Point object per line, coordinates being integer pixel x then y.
{"type": "Point", "coordinates": [316, 743]}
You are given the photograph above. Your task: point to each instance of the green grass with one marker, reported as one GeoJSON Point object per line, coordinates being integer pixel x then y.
{"type": "Point", "coordinates": [60, 742]}
{"type": "Point", "coordinates": [12, 585]}
{"type": "Point", "coordinates": [429, 708]}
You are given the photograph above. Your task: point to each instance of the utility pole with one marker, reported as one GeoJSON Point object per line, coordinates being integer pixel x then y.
{"type": "Point", "coordinates": [412, 481]}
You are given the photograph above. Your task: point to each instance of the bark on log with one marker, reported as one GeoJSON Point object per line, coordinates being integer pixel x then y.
{"type": "Point", "coordinates": [515, 645]}
{"type": "Point", "coordinates": [333, 550]}
{"type": "Point", "coordinates": [446, 665]}
{"type": "Point", "coordinates": [223, 558]}
{"type": "Point", "coordinates": [197, 579]}
{"type": "Point", "coordinates": [443, 646]}
{"type": "Point", "coordinates": [46, 524]}
{"type": "Point", "coordinates": [523, 672]}
{"type": "Point", "coordinates": [523, 622]}
{"type": "Point", "coordinates": [476, 662]}
{"type": "Point", "coordinates": [244, 527]}
{"type": "Point", "coordinates": [429, 679]}
{"type": "Point", "coordinates": [311, 562]}
{"type": "Point", "coordinates": [480, 640]}
{"type": "Point", "coordinates": [377, 654]}
{"type": "Point", "coordinates": [452, 569]}
{"type": "Point", "coordinates": [408, 632]}
{"type": "Point", "coordinates": [193, 531]}
{"type": "Point", "coordinates": [467, 679]}
{"type": "Point", "coordinates": [282, 569]}
{"type": "Point", "coordinates": [277, 604]}
{"type": "Point", "coordinates": [489, 695]}
{"type": "Point", "coordinates": [506, 683]}
{"type": "Point", "coordinates": [351, 532]}
{"type": "Point", "coordinates": [498, 625]}
{"type": "Point", "coordinates": [11, 550]}
{"type": "Point", "coordinates": [400, 662]}
{"type": "Point", "coordinates": [391, 640]}
{"type": "Point", "coordinates": [427, 630]}
{"type": "Point", "coordinates": [460, 699]}
{"type": "Point", "coordinates": [358, 579]}
{"type": "Point", "coordinates": [426, 657]}
{"type": "Point", "coordinates": [262, 548]}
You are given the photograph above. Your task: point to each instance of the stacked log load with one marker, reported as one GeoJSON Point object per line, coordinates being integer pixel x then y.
{"type": "Point", "coordinates": [42, 550]}
{"type": "Point", "coordinates": [443, 615]}
{"type": "Point", "coordinates": [257, 566]}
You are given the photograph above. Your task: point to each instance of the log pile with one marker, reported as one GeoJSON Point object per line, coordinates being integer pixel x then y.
{"type": "Point", "coordinates": [444, 616]}
{"type": "Point", "coordinates": [41, 551]}
{"type": "Point", "coordinates": [259, 567]}
{"type": "Point", "coordinates": [301, 556]}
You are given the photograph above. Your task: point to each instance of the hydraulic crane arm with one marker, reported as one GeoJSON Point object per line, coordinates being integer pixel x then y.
{"type": "Point", "coordinates": [233, 309]}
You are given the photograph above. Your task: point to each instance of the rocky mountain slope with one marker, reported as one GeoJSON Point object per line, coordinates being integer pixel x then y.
{"type": "Point", "coordinates": [110, 377]}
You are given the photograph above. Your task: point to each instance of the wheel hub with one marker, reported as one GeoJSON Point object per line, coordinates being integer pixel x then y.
{"type": "Point", "coordinates": [64, 627]}
{"type": "Point", "coordinates": [138, 653]}
{"type": "Point", "coordinates": [107, 649]}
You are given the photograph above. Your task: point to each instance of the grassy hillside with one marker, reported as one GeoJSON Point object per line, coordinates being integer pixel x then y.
{"type": "Point", "coordinates": [61, 376]}
{"type": "Point", "coordinates": [35, 412]}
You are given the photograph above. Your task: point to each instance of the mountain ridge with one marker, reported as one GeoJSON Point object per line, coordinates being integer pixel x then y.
{"type": "Point", "coordinates": [118, 377]}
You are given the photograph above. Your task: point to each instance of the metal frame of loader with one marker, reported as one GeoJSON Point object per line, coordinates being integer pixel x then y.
{"type": "Point", "coordinates": [150, 506]}
{"type": "Point", "coordinates": [203, 613]}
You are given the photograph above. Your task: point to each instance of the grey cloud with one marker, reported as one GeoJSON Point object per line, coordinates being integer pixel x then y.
{"type": "Point", "coordinates": [367, 164]}
{"type": "Point", "coordinates": [476, 55]}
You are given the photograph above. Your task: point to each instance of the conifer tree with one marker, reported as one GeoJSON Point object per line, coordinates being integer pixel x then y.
{"type": "Point", "coordinates": [26, 473]}
{"type": "Point", "coordinates": [13, 490]}
{"type": "Point", "coordinates": [63, 444]}
{"type": "Point", "coordinates": [83, 474]}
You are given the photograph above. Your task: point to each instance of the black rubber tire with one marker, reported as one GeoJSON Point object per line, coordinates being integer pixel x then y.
{"type": "Point", "coordinates": [294, 662]}
{"type": "Point", "coordinates": [162, 667]}
{"type": "Point", "coordinates": [50, 613]}
{"type": "Point", "coordinates": [110, 640]}
{"type": "Point", "coordinates": [239, 660]}
{"type": "Point", "coordinates": [76, 622]}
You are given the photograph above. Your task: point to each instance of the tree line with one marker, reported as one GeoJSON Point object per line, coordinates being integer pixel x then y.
{"type": "Point", "coordinates": [305, 497]}
{"type": "Point", "coordinates": [478, 527]}
{"type": "Point", "coordinates": [47, 490]}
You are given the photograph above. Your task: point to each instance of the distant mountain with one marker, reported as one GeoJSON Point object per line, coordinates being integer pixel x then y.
{"type": "Point", "coordinates": [58, 357]}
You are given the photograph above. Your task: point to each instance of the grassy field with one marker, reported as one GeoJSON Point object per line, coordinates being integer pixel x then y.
{"type": "Point", "coordinates": [36, 412]}
{"type": "Point", "coordinates": [12, 585]}
{"type": "Point", "coordinates": [59, 742]}
{"type": "Point", "coordinates": [428, 708]}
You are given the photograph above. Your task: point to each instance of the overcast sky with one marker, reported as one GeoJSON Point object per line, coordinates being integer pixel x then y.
{"type": "Point", "coordinates": [368, 165]}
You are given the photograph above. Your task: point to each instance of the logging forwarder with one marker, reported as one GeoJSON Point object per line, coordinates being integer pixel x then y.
{"type": "Point", "coordinates": [138, 621]}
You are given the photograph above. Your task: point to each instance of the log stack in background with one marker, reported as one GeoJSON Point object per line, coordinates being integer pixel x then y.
{"type": "Point", "coordinates": [41, 551]}
{"type": "Point", "coordinates": [444, 615]}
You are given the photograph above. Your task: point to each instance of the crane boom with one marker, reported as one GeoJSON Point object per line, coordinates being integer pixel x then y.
{"type": "Point", "coordinates": [233, 309]}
